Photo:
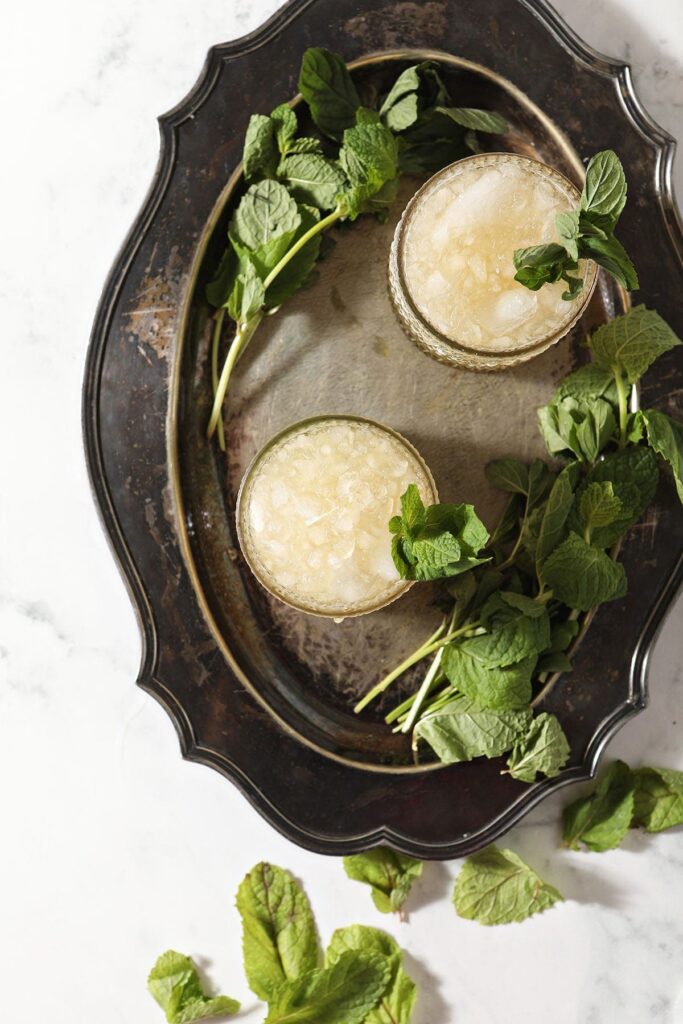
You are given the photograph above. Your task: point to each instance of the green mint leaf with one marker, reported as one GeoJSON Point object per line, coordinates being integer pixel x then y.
{"type": "Point", "coordinates": [598, 505]}
{"type": "Point", "coordinates": [415, 90]}
{"type": "Point", "coordinates": [369, 159]}
{"type": "Point", "coordinates": [665, 436]}
{"type": "Point", "coordinates": [412, 510]}
{"type": "Point", "coordinates": [512, 636]}
{"type": "Point", "coordinates": [285, 122]}
{"type": "Point", "coordinates": [390, 875]}
{"type": "Point", "coordinates": [261, 152]}
{"type": "Point", "coordinates": [632, 342]}
{"type": "Point", "coordinates": [461, 731]}
{"type": "Point", "coordinates": [327, 87]}
{"type": "Point", "coordinates": [305, 145]}
{"type": "Point", "coordinates": [299, 269]}
{"type": "Point", "coordinates": [476, 120]}
{"type": "Point", "coordinates": [279, 940]}
{"type": "Point", "coordinates": [265, 212]}
{"type": "Point", "coordinates": [583, 427]}
{"type": "Point", "coordinates": [610, 254]}
{"type": "Point", "coordinates": [552, 524]}
{"type": "Point", "coordinates": [219, 289]}
{"type": "Point", "coordinates": [562, 634]}
{"type": "Point", "coordinates": [600, 821]}
{"type": "Point", "coordinates": [527, 605]}
{"type": "Point", "coordinates": [312, 179]}
{"type": "Point", "coordinates": [554, 662]}
{"type": "Point", "coordinates": [633, 474]}
{"type": "Point", "coordinates": [635, 427]}
{"type": "Point", "coordinates": [541, 264]}
{"type": "Point", "coordinates": [604, 192]}
{"type": "Point", "coordinates": [435, 542]}
{"type": "Point", "coordinates": [543, 748]}
{"type": "Point", "coordinates": [175, 984]}
{"type": "Point", "coordinates": [342, 993]}
{"type": "Point", "coordinates": [583, 576]}
{"type": "Point", "coordinates": [502, 689]}
{"type": "Point", "coordinates": [508, 475]}
{"type": "Point", "coordinates": [658, 799]}
{"type": "Point", "coordinates": [497, 887]}
{"type": "Point", "coordinates": [252, 294]}
{"type": "Point", "coordinates": [567, 225]}
{"type": "Point", "coordinates": [398, 1000]}
{"type": "Point", "coordinates": [589, 381]}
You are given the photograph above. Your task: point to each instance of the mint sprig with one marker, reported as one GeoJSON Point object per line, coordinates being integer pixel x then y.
{"type": "Point", "coordinates": [175, 985]}
{"type": "Point", "coordinates": [584, 234]}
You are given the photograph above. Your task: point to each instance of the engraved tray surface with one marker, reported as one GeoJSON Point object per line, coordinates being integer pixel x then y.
{"type": "Point", "coordinates": [255, 689]}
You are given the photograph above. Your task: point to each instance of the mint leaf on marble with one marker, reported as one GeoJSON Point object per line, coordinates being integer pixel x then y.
{"type": "Point", "coordinates": [175, 984]}
{"type": "Point", "coordinates": [497, 887]}
{"type": "Point", "coordinates": [398, 999]}
{"type": "Point", "coordinates": [658, 799]}
{"type": "Point", "coordinates": [390, 876]}
{"type": "Point", "coordinates": [344, 992]}
{"type": "Point", "coordinates": [279, 940]}
{"type": "Point", "coordinates": [601, 820]}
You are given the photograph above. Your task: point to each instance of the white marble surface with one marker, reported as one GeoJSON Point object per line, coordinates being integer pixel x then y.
{"type": "Point", "coordinates": [112, 847]}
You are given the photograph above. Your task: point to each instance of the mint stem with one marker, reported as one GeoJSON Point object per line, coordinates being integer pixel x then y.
{"type": "Point", "coordinates": [623, 405]}
{"type": "Point", "coordinates": [217, 329]}
{"type": "Point", "coordinates": [245, 331]}
{"type": "Point", "coordinates": [426, 686]}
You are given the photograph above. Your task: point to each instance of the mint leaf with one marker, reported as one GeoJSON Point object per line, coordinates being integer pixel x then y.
{"type": "Point", "coordinates": [497, 887]}
{"type": "Point", "coordinates": [583, 576]}
{"type": "Point", "coordinates": [219, 289]}
{"type": "Point", "coordinates": [499, 688]}
{"type": "Point", "coordinates": [261, 154]}
{"type": "Point", "coordinates": [175, 985]}
{"type": "Point", "coordinates": [461, 730]}
{"type": "Point", "coordinates": [415, 89]}
{"type": "Point", "coordinates": [397, 1001]}
{"type": "Point", "coordinates": [435, 542]}
{"type": "Point", "coordinates": [508, 475]}
{"type": "Point", "coordinates": [583, 427]}
{"type": "Point", "coordinates": [543, 748]}
{"type": "Point", "coordinates": [285, 123]}
{"type": "Point", "coordinates": [299, 269]}
{"type": "Point", "coordinates": [552, 525]}
{"type": "Point", "coordinates": [512, 636]}
{"type": "Point", "coordinates": [342, 993]}
{"type": "Point", "coordinates": [610, 254]}
{"type": "Point", "coordinates": [390, 876]}
{"type": "Point", "coordinates": [369, 159]}
{"type": "Point", "coordinates": [598, 506]}
{"type": "Point", "coordinates": [632, 342]}
{"type": "Point", "coordinates": [266, 212]}
{"type": "Point", "coordinates": [541, 264]}
{"type": "Point", "coordinates": [658, 799]}
{"type": "Point", "coordinates": [665, 436]}
{"type": "Point", "coordinates": [589, 381]}
{"type": "Point", "coordinates": [312, 179]}
{"type": "Point", "coordinates": [476, 120]}
{"type": "Point", "coordinates": [327, 87]}
{"type": "Point", "coordinates": [567, 225]}
{"type": "Point", "coordinates": [600, 821]}
{"type": "Point", "coordinates": [633, 474]}
{"type": "Point", "coordinates": [279, 940]}
{"type": "Point", "coordinates": [604, 191]}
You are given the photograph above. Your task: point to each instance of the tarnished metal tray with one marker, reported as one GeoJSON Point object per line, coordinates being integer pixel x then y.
{"type": "Point", "coordinates": [259, 691]}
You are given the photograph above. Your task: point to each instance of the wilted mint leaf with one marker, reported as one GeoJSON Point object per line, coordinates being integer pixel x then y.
{"type": "Point", "coordinates": [462, 731]}
{"type": "Point", "coordinates": [175, 985]}
{"type": "Point", "coordinates": [497, 887]}
{"type": "Point", "coordinates": [279, 940]}
{"type": "Point", "coordinates": [583, 576]}
{"type": "Point", "coordinates": [398, 999]}
{"type": "Point", "coordinates": [600, 821]}
{"type": "Point", "coordinates": [658, 799]}
{"type": "Point", "coordinates": [543, 748]}
{"type": "Point", "coordinates": [390, 875]}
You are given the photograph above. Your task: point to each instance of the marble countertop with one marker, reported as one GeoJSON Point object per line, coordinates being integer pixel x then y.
{"type": "Point", "coordinates": [113, 848]}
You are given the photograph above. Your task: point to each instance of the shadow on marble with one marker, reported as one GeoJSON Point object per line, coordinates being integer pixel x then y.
{"type": "Point", "coordinates": [434, 886]}
{"type": "Point", "coordinates": [431, 1007]}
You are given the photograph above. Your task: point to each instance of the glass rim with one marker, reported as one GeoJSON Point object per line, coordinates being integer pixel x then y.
{"type": "Point", "coordinates": [398, 245]}
{"type": "Point", "coordinates": [243, 492]}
